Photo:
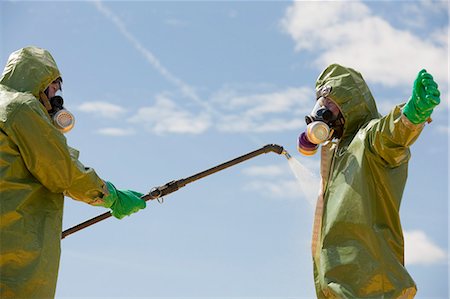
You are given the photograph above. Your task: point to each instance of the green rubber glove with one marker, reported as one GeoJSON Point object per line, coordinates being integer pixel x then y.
{"type": "Point", "coordinates": [123, 202]}
{"type": "Point", "coordinates": [425, 96]}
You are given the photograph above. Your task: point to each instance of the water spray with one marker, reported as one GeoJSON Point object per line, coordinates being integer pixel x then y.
{"type": "Point", "coordinates": [172, 186]}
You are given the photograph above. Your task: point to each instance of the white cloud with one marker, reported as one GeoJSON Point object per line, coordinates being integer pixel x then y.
{"type": "Point", "coordinates": [234, 113]}
{"type": "Point", "coordinates": [349, 33]}
{"type": "Point", "coordinates": [419, 250]}
{"type": "Point", "coordinates": [280, 189]}
{"type": "Point", "coordinates": [240, 123]}
{"type": "Point", "coordinates": [103, 109]}
{"type": "Point", "coordinates": [115, 132]}
{"type": "Point", "coordinates": [257, 105]}
{"type": "Point", "coordinates": [166, 117]}
{"type": "Point", "coordinates": [280, 125]}
{"type": "Point", "coordinates": [264, 112]}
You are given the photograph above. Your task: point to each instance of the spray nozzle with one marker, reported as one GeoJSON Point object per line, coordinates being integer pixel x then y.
{"type": "Point", "coordinates": [288, 156]}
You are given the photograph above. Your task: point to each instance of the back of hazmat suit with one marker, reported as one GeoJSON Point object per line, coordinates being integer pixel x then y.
{"type": "Point", "coordinates": [37, 168]}
{"type": "Point", "coordinates": [358, 247]}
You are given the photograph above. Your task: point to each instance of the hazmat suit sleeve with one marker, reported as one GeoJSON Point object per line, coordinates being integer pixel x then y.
{"type": "Point", "coordinates": [390, 138]}
{"type": "Point", "coordinates": [46, 155]}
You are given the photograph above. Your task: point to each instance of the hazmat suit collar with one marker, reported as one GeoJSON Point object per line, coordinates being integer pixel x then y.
{"type": "Point", "coordinates": [347, 88]}
{"type": "Point", "coordinates": [30, 69]}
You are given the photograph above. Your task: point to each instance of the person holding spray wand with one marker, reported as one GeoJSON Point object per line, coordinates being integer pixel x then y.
{"type": "Point", "coordinates": [37, 168]}
{"type": "Point", "coordinates": [358, 246]}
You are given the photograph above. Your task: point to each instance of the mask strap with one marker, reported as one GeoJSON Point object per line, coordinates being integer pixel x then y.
{"type": "Point", "coordinates": [338, 122]}
{"type": "Point", "coordinates": [45, 101]}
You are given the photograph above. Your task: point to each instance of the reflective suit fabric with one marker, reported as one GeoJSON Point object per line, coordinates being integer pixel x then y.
{"type": "Point", "coordinates": [358, 248]}
{"type": "Point", "coordinates": [36, 169]}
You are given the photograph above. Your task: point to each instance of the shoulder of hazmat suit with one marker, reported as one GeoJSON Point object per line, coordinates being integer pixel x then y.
{"type": "Point", "coordinates": [358, 248]}
{"type": "Point", "coordinates": [36, 169]}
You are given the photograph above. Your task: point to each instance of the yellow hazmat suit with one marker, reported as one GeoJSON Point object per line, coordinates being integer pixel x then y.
{"type": "Point", "coordinates": [37, 169]}
{"type": "Point", "coordinates": [358, 248]}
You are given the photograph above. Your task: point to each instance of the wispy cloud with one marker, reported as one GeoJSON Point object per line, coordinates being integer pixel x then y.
{"type": "Point", "coordinates": [419, 13]}
{"type": "Point", "coordinates": [104, 109]}
{"type": "Point", "coordinates": [432, 6]}
{"type": "Point", "coordinates": [187, 90]}
{"type": "Point", "coordinates": [420, 250]}
{"type": "Point", "coordinates": [263, 112]}
{"type": "Point", "coordinates": [166, 117]}
{"type": "Point", "coordinates": [351, 34]}
{"type": "Point", "coordinates": [257, 105]}
{"type": "Point", "coordinates": [279, 189]}
{"type": "Point", "coordinates": [236, 112]}
{"type": "Point", "coordinates": [115, 132]}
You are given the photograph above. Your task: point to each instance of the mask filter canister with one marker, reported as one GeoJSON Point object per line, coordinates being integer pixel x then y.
{"type": "Point", "coordinates": [62, 118]}
{"type": "Point", "coordinates": [317, 132]}
{"type": "Point", "coordinates": [306, 147]}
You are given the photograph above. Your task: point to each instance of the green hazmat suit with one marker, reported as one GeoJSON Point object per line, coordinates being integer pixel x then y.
{"type": "Point", "coordinates": [358, 247]}
{"type": "Point", "coordinates": [37, 168]}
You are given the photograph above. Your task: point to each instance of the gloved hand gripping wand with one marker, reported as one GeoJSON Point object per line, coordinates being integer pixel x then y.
{"type": "Point", "coordinates": [159, 192]}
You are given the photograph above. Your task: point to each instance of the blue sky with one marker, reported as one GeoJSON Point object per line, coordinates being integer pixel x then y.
{"type": "Point", "coordinates": [163, 90]}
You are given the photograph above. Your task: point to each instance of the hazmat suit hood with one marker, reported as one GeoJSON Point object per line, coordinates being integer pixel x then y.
{"type": "Point", "coordinates": [347, 88]}
{"type": "Point", "coordinates": [30, 69]}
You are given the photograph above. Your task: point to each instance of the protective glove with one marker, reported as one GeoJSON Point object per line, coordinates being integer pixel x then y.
{"type": "Point", "coordinates": [425, 96]}
{"type": "Point", "coordinates": [123, 202]}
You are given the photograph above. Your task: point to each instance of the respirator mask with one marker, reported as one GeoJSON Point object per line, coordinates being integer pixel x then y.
{"type": "Point", "coordinates": [62, 119]}
{"type": "Point", "coordinates": [324, 123]}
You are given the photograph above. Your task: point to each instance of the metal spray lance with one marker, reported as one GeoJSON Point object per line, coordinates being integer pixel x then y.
{"type": "Point", "coordinates": [172, 186]}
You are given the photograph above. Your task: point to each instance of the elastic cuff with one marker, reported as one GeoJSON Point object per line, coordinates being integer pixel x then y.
{"type": "Point", "coordinates": [410, 125]}
{"type": "Point", "coordinates": [109, 195]}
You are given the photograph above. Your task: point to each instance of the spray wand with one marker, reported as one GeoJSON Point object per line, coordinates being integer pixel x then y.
{"type": "Point", "coordinates": [172, 186]}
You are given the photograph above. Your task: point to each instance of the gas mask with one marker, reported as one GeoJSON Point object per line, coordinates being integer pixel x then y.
{"type": "Point", "coordinates": [62, 118]}
{"type": "Point", "coordinates": [324, 123]}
